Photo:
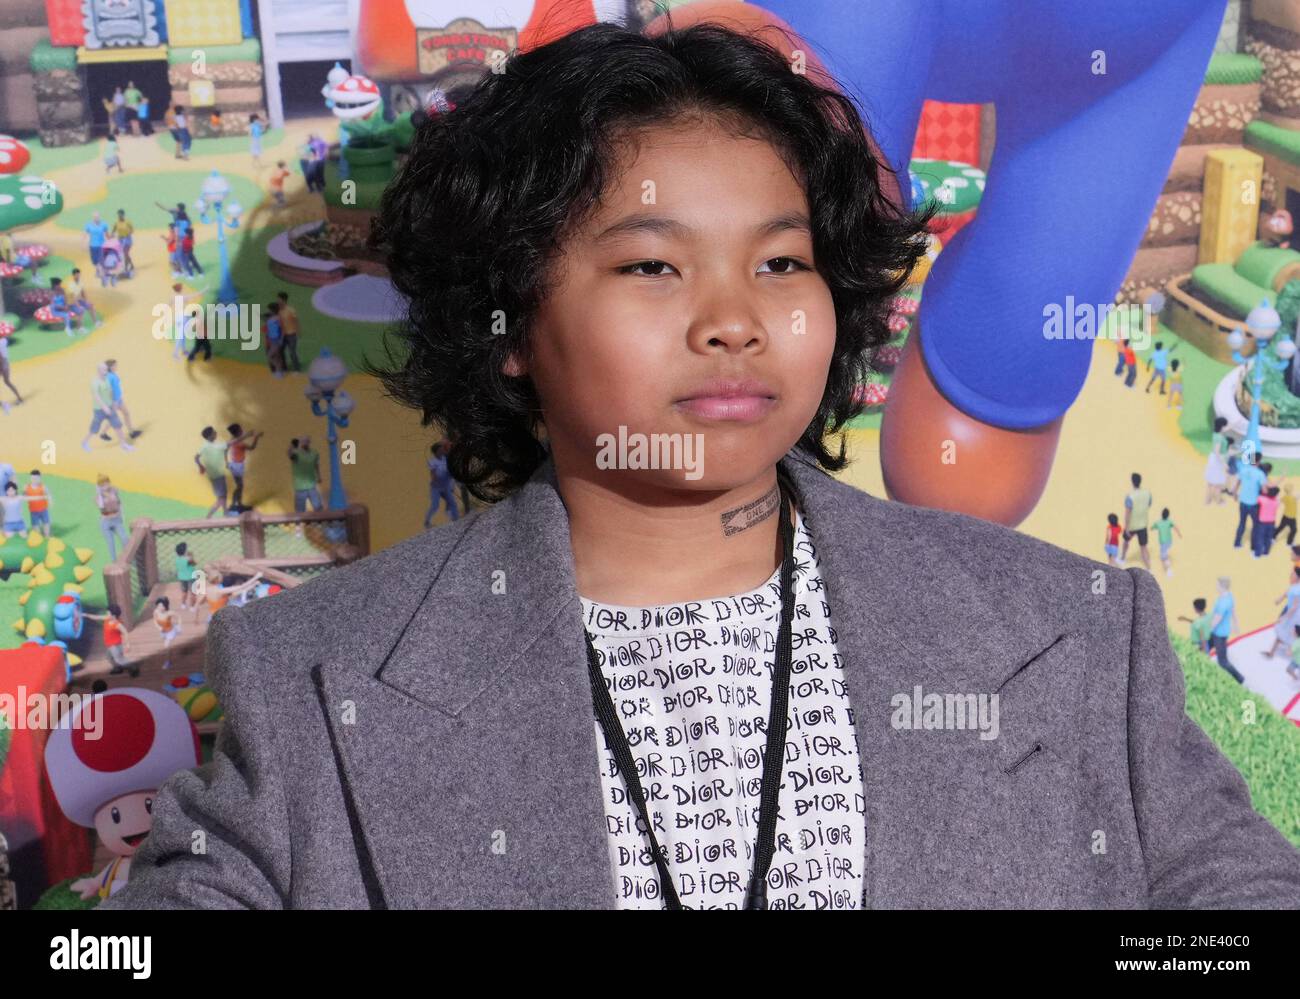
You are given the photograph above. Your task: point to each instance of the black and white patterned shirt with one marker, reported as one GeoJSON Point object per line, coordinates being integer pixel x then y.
{"type": "Point", "coordinates": [692, 685]}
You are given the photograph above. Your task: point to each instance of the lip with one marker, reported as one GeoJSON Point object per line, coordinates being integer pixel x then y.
{"type": "Point", "coordinates": [736, 409]}
{"type": "Point", "coordinates": [729, 388]}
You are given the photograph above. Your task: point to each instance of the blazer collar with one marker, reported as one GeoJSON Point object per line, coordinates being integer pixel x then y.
{"type": "Point", "coordinates": [518, 554]}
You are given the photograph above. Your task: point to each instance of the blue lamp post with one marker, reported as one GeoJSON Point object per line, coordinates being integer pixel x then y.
{"type": "Point", "coordinates": [324, 375]}
{"type": "Point", "coordinates": [216, 197]}
{"type": "Point", "coordinates": [1263, 322]}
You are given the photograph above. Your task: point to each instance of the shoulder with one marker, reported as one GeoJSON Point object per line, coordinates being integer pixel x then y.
{"type": "Point", "coordinates": [955, 560]}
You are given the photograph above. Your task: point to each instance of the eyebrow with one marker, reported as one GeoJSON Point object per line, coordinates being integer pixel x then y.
{"type": "Point", "coordinates": [663, 225]}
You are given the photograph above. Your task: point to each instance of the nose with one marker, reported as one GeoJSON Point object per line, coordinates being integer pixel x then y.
{"type": "Point", "coordinates": [727, 323]}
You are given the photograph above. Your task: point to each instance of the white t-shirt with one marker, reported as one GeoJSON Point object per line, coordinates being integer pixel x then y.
{"type": "Point", "coordinates": [692, 685]}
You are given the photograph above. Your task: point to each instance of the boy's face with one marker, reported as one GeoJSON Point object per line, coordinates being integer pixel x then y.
{"type": "Point", "coordinates": [614, 348]}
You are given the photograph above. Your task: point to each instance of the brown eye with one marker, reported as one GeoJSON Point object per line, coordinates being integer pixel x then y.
{"type": "Point", "coordinates": [792, 265]}
{"type": "Point", "coordinates": [630, 268]}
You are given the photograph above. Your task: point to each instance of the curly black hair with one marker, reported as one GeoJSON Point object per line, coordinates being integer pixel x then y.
{"type": "Point", "coordinates": [491, 188]}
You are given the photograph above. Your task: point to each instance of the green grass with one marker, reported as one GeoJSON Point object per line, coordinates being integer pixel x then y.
{"type": "Point", "coordinates": [31, 340]}
{"type": "Point", "coordinates": [47, 159]}
{"type": "Point", "coordinates": [76, 522]}
{"type": "Point", "coordinates": [137, 192]}
{"type": "Point", "coordinates": [255, 283]}
{"type": "Point", "coordinates": [1265, 751]}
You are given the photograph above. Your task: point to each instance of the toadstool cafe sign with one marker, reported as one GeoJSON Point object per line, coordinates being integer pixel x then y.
{"type": "Point", "coordinates": [463, 40]}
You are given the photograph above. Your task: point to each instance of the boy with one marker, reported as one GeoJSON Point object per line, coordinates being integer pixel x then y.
{"type": "Point", "coordinates": [255, 130]}
{"type": "Point", "coordinates": [1262, 536]}
{"type": "Point", "coordinates": [173, 250]}
{"type": "Point", "coordinates": [112, 155]}
{"type": "Point", "coordinates": [1175, 387]}
{"type": "Point", "coordinates": [103, 410]}
{"type": "Point", "coordinates": [277, 183]}
{"type": "Point", "coordinates": [77, 293]}
{"type": "Point", "coordinates": [1199, 632]}
{"type": "Point", "coordinates": [64, 309]}
{"type": "Point", "coordinates": [186, 568]}
{"type": "Point", "coordinates": [188, 259]}
{"type": "Point", "coordinates": [1293, 667]}
{"type": "Point", "coordinates": [1157, 364]}
{"type": "Point", "coordinates": [11, 511]}
{"type": "Point", "coordinates": [241, 442]}
{"type": "Point", "coordinates": [289, 324]}
{"type": "Point", "coordinates": [124, 232]}
{"type": "Point", "coordinates": [306, 476]}
{"type": "Point", "coordinates": [168, 623]}
{"type": "Point", "coordinates": [119, 402]}
{"type": "Point", "coordinates": [274, 340]}
{"type": "Point", "coordinates": [111, 523]}
{"type": "Point", "coordinates": [211, 461]}
{"type": "Point", "coordinates": [116, 642]}
{"type": "Point", "coordinates": [38, 502]}
{"type": "Point", "coordinates": [1165, 531]}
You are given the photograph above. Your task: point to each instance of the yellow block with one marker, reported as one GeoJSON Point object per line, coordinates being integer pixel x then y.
{"type": "Point", "coordinates": [203, 93]}
{"type": "Point", "coordinates": [121, 53]}
{"type": "Point", "coordinates": [1230, 204]}
{"type": "Point", "coordinates": [203, 22]}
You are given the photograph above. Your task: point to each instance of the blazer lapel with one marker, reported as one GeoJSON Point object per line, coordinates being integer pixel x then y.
{"type": "Point", "coordinates": [466, 738]}
{"type": "Point", "coordinates": [952, 819]}
{"type": "Point", "coordinates": [469, 749]}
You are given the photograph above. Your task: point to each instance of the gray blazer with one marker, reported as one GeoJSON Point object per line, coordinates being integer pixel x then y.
{"type": "Point", "coordinates": [417, 730]}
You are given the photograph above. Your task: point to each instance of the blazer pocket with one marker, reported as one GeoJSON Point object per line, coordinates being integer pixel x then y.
{"type": "Point", "coordinates": [1034, 795]}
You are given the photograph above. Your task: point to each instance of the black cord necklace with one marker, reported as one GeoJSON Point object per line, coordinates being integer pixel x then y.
{"type": "Point", "coordinates": [765, 846]}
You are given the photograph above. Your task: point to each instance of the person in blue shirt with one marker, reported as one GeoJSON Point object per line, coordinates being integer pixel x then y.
{"type": "Point", "coordinates": [255, 131]}
{"type": "Point", "coordinates": [1284, 627]}
{"type": "Point", "coordinates": [142, 116]}
{"type": "Point", "coordinates": [440, 485]}
{"type": "Point", "coordinates": [1251, 477]}
{"type": "Point", "coordinates": [1158, 365]}
{"type": "Point", "coordinates": [119, 404]}
{"type": "Point", "coordinates": [64, 309]}
{"type": "Point", "coordinates": [180, 218]}
{"type": "Point", "coordinates": [1223, 624]}
{"type": "Point", "coordinates": [275, 341]}
{"type": "Point", "coordinates": [96, 232]}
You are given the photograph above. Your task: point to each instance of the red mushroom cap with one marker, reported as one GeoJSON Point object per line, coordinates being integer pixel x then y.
{"type": "Point", "coordinates": [14, 156]}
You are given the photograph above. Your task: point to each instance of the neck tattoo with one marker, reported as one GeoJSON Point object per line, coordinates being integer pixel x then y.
{"type": "Point", "coordinates": [743, 517]}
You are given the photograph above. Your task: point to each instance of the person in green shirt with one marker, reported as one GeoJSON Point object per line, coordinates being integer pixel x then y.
{"type": "Point", "coordinates": [211, 461]}
{"type": "Point", "coordinates": [1137, 508]}
{"type": "Point", "coordinates": [306, 474]}
{"type": "Point", "coordinates": [185, 570]}
{"type": "Point", "coordinates": [1199, 632]}
{"type": "Point", "coordinates": [1165, 530]}
{"type": "Point", "coordinates": [102, 411]}
{"type": "Point", "coordinates": [132, 98]}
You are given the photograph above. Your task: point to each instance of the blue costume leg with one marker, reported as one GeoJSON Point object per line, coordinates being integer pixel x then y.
{"type": "Point", "coordinates": [1079, 162]}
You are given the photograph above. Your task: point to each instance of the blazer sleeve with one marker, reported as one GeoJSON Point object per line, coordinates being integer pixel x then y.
{"type": "Point", "coordinates": [220, 836]}
{"type": "Point", "coordinates": [1203, 843]}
